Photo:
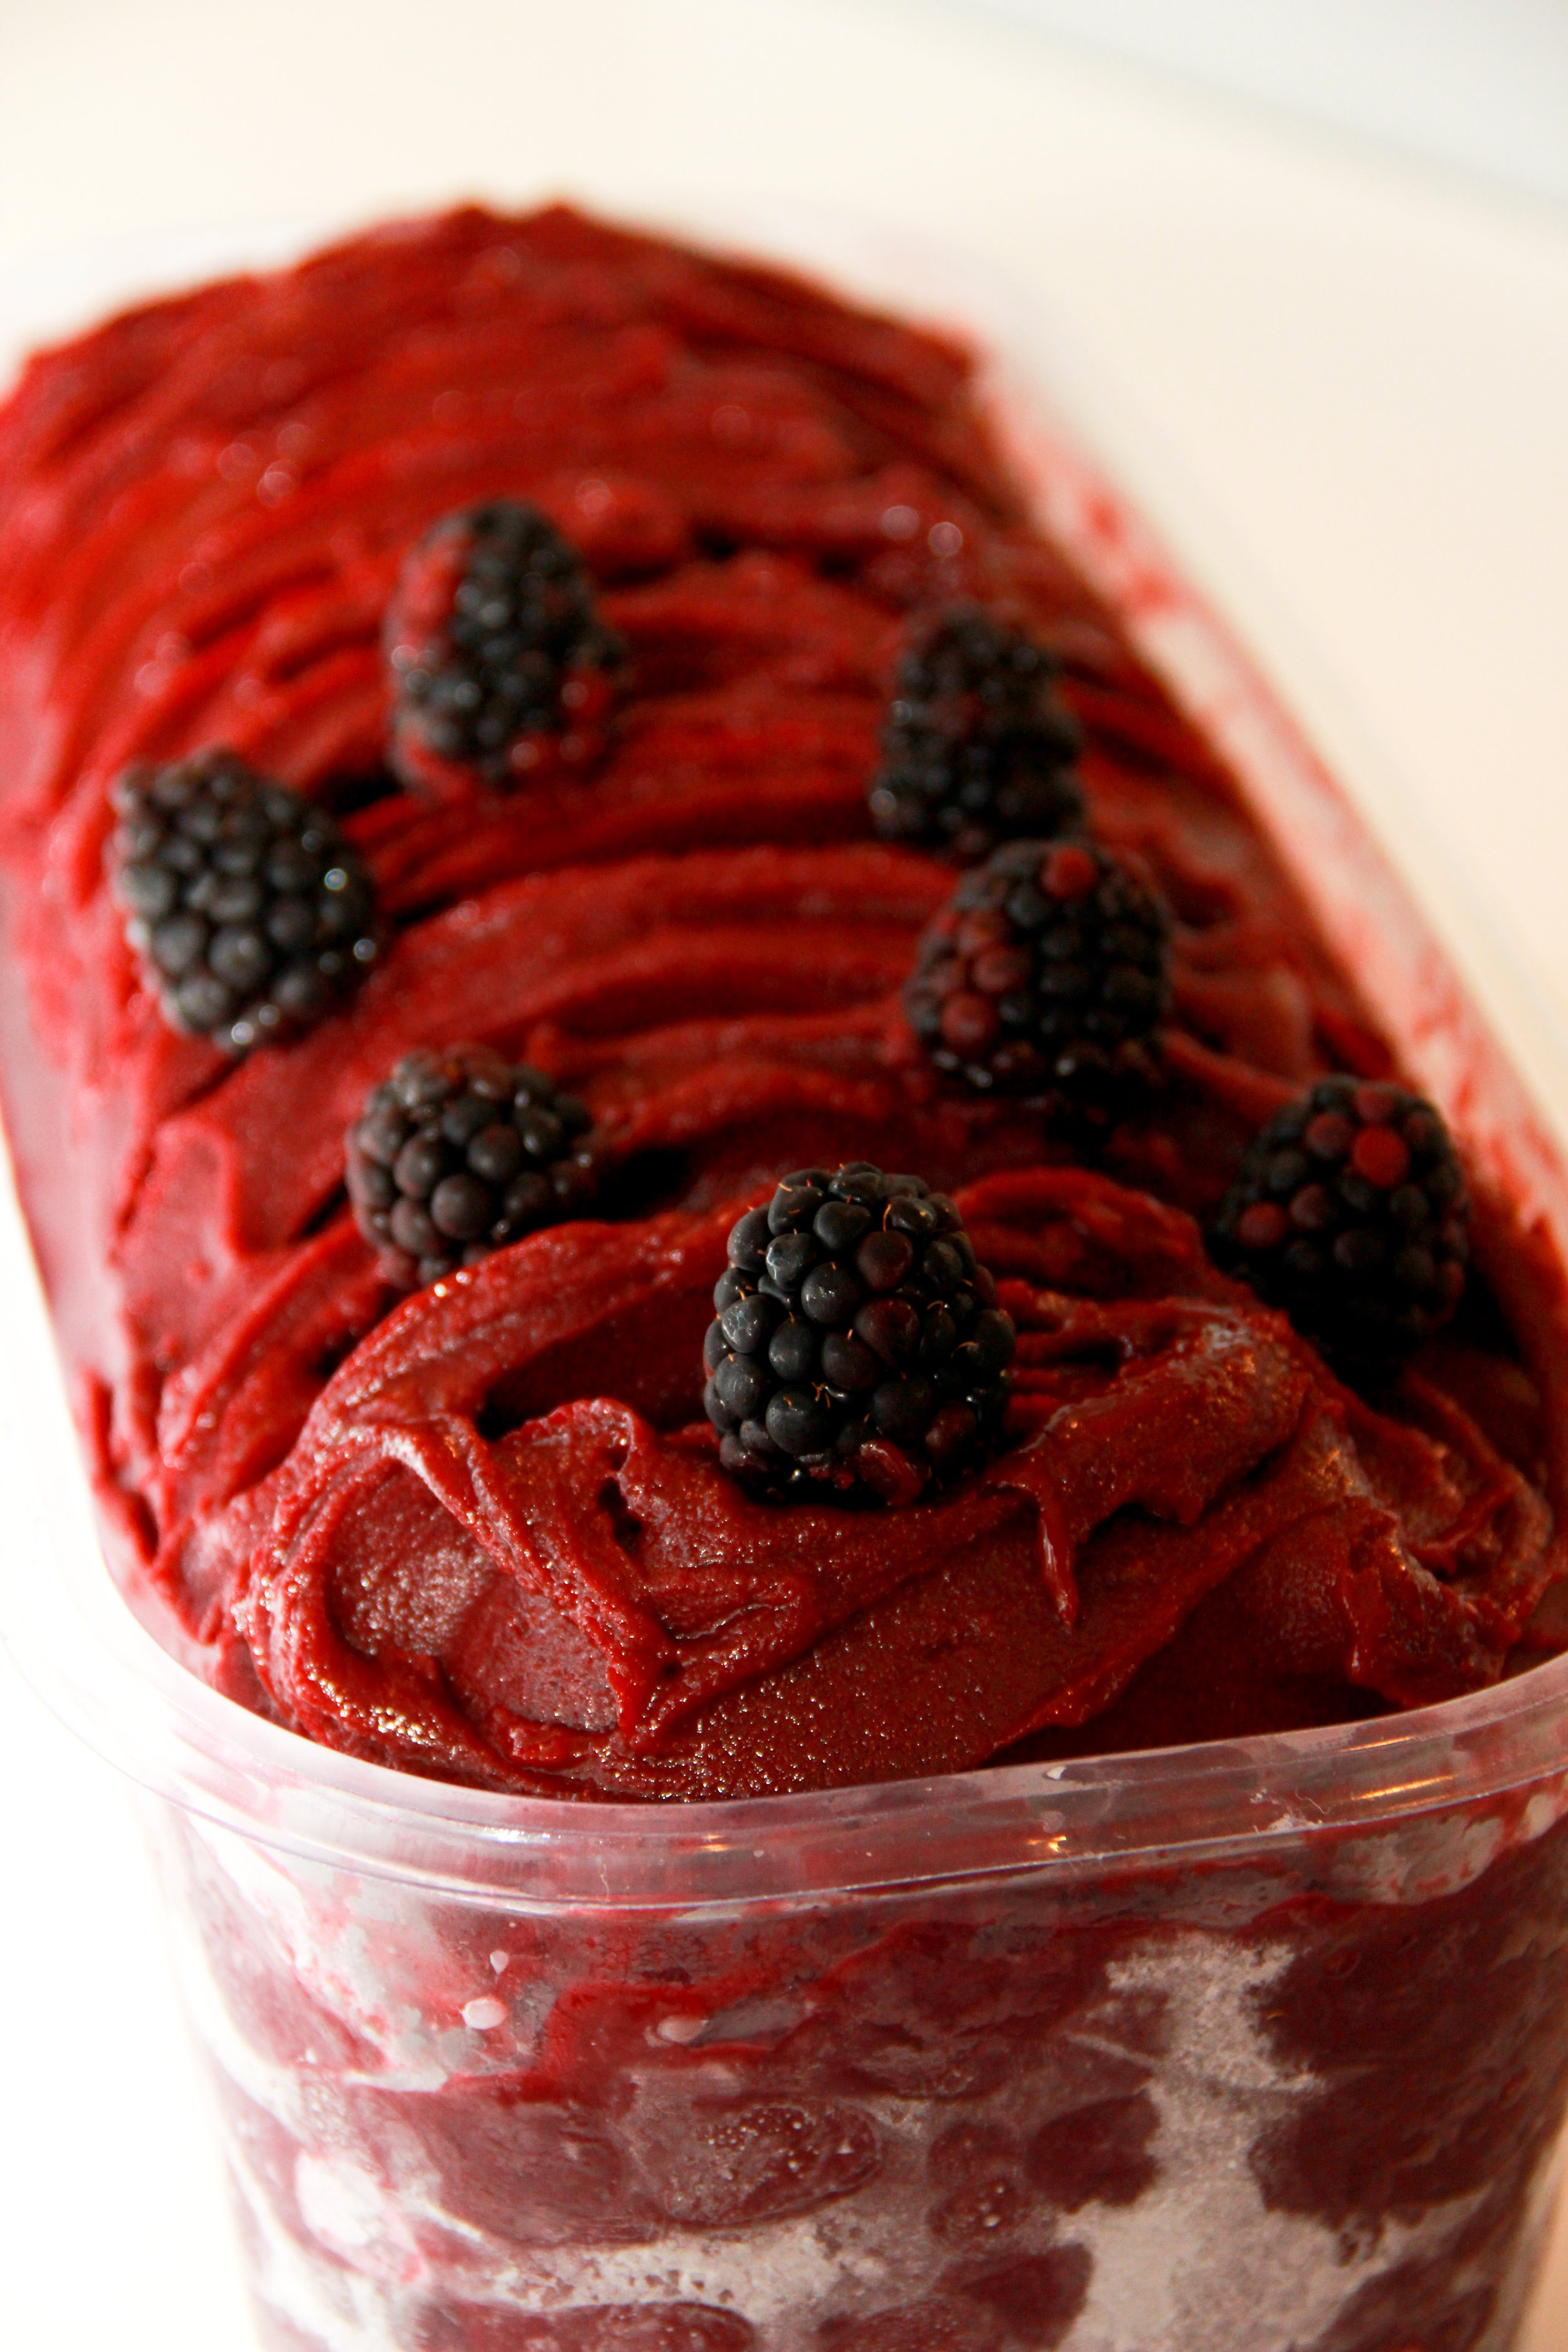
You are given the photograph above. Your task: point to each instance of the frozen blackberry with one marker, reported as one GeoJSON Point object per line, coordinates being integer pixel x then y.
{"type": "Point", "coordinates": [459, 1152]}
{"type": "Point", "coordinates": [1349, 1213]}
{"type": "Point", "coordinates": [501, 667]}
{"type": "Point", "coordinates": [1047, 975]}
{"type": "Point", "coordinates": [250, 913]}
{"type": "Point", "coordinates": [978, 748]}
{"type": "Point", "coordinates": [859, 1348]}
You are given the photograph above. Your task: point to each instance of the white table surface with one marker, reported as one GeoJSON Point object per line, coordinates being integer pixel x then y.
{"type": "Point", "coordinates": [1341, 377]}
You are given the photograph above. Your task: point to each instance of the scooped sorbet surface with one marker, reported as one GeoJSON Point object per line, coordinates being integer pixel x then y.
{"type": "Point", "coordinates": [477, 1524]}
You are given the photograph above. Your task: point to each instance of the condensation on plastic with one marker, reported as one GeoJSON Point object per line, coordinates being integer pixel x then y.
{"type": "Point", "coordinates": [766, 2022]}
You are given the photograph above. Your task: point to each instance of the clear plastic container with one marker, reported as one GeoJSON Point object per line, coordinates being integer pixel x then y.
{"type": "Point", "coordinates": [1260, 2046]}
{"type": "Point", "coordinates": [1250, 2046]}
{"type": "Point", "coordinates": [1255, 2045]}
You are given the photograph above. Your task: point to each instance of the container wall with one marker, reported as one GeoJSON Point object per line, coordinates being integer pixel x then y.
{"type": "Point", "coordinates": [1305, 2102]}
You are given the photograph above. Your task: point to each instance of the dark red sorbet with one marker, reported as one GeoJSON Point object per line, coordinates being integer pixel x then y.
{"type": "Point", "coordinates": [440, 1491]}
{"type": "Point", "coordinates": [486, 1532]}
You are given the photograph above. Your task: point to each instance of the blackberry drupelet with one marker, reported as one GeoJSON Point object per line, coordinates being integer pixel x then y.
{"type": "Point", "coordinates": [501, 667]}
{"type": "Point", "coordinates": [459, 1152]}
{"type": "Point", "coordinates": [977, 747]}
{"type": "Point", "coordinates": [859, 1348]}
{"type": "Point", "coordinates": [1349, 1211]}
{"type": "Point", "coordinates": [250, 913]}
{"type": "Point", "coordinates": [1047, 975]}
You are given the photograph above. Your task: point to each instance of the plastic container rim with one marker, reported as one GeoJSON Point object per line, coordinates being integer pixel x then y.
{"type": "Point", "coordinates": [85, 1653]}
{"type": "Point", "coordinates": [1237, 1800]}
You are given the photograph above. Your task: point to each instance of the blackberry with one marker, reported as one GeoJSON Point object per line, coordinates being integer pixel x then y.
{"type": "Point", "coordinates": [977, 747]}
{"type": "Point", "coordinates": [251, 914]}
{"type": "Point", "coordinates": [859, 1348]}
{"type": "Point", "coordinates": [459, 1152]}
{"type": "Point", "coordinates": [1349, 1213]}
{"type": "Point", "coordinates": [500, 664]}
{"type": "Point", "coordinates": [1047, 975]}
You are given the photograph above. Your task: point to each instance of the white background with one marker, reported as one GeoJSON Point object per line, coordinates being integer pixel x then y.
{"type": "Point", "coordinates": [1336, 369]}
